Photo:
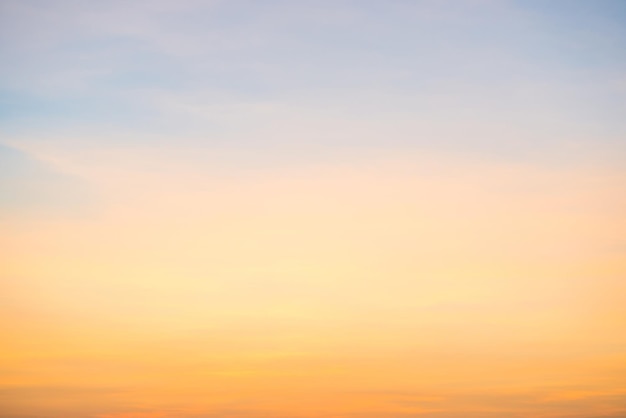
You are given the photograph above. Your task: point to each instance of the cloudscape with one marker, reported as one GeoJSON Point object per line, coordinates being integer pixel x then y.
{"type": "Point", "coordinates": [313, 209]}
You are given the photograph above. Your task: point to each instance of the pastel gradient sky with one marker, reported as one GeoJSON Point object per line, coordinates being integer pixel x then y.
{"type": "Point", "coordinates": [313, 209]}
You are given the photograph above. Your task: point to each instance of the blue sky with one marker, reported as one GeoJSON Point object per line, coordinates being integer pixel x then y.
{"type": "Point", "coordinates": [99, 65]}
{"type": "Point", "coordinates": [530, 81]}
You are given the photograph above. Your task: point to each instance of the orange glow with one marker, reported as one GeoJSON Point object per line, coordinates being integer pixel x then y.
{"type": "Point", "coordinates": [363, 290]}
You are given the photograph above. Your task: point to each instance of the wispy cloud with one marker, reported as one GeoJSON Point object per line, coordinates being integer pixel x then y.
{"type": "Point", "coordinates": [31, 186]}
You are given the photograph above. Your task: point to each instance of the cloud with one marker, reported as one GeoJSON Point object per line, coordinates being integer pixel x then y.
{"type": "Point", "coordinates": [28, 185]}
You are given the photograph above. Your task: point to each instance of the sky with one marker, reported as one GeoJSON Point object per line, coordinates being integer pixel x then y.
{"type": "Point", "coordinates": [313, 209]}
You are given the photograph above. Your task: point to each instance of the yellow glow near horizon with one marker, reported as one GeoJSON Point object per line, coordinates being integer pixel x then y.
{"type": "Point", "coordinates": [381, 288]}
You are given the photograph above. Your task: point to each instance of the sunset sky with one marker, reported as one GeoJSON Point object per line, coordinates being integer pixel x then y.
{"type": "Point", "coordinates": [312, 209]}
